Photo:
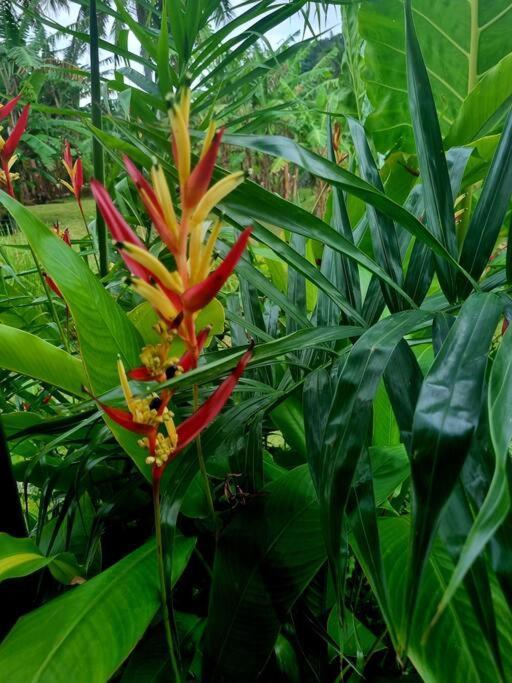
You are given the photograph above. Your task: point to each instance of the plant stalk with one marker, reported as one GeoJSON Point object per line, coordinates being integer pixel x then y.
{"type": "Point", "coordinates": [97, 150]}
{"type": "Point", "coordinates": [202, 465]}
{"type": "Point", "coordinates": [163, 584]}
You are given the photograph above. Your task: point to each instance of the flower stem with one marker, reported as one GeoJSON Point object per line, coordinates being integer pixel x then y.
{"type": "Point", "coordinates": [163, 585]}
{"type": "Point", "coordinates": [202, 466]}
{"type": "Point", "coordinates": [89, 235]}
{"type": "Point", "coordinates": [53, 312]}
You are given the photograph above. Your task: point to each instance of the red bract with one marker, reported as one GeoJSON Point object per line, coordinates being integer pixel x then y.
{"type": "Point", "coordinates": [6, 109]}
{"type": "Point", "coordinates": [188, 430]}
{"type": "Point", "coordinates": [18, 130]}
{"type": "Point", "coordinates": [118, 227]}
{"type": "Point", "coordinates": [200, 178]}
{"type": "Point", "coordinates": [200, 295]}
{"type": "Point", "coordinates": [9, 147]}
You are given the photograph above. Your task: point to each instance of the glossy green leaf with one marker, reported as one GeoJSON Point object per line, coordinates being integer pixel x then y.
{"type": "Point", "coordinates": [30, 355]}
{"type": "Point", "coordinates": [460, 42]}
{"type": "Point", "coordinates": [445, 419]}
{"type": "Point", "coordinates": [383, 231]}
{"type": "Point", "coordinates": [347, 425]}
{"type": "Point", "coordinates": [21, 556]}
{"type": "Point", "coordinates": [485, 106]}
{"type": "Point", "coordinates": [265, 559]}
{"type": "Point", "coordinates": [454, 651]}
{"type": "Point", "coordinates": [494, 509]}
{"type": "Point", "coordinates": [91, 629]}
{"type": "Point", "coordinates": [490, 211]}
{"type": "Point", "coordinates": [432, 161]}
{"type": "Point", "coordinates": [103, 329]}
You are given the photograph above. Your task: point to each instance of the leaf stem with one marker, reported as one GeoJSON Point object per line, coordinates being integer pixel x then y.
{"type": "Point", "coordinates": [200, 459]}
{"type": "Point", "coordinates": [163, 584]}
{"type": "Point", "coordinates": [53, 312]}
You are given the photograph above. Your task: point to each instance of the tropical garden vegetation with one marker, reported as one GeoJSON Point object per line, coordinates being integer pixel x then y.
{"type": "Point", "coordinates": [255, 357]}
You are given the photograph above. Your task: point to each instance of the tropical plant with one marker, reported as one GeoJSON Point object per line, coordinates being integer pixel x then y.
{"type": "Point", "coordinates": [333, 502]}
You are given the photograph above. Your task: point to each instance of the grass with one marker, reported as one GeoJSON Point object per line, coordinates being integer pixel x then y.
{"type": "Point", "coordinates": [18, 257]}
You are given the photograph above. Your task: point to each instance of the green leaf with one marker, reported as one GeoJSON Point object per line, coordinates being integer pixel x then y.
{"type": "Point", "coordinates": [470, 37]}
{"type": "Point", "coordinates": [485, 106]}
{"type": "Point", "coordinates": [91, 629]}
{"type": "Point", "coordinates": [383, 231]}
{"type": "Point", "coordinates": [21, 557]}
{"type": "Point", "coordinates": [29, 355]}
{"type": "Point", "coordinates": [494, 509]}
{"type": "Point", "coordinates": [103, 329]}
{"type": "Point", "coordinates": [490, 211]}
{"type": "Point", "coordinates": [347, 425]}
{"type": "Point", "coordinates": [265, 559]}
{"type": "Point", "coordinates": [432, 161]}
{"type": "Point", "coordinates": [455, 651]}
{"type": "Point", "coordinates": [446, 417]}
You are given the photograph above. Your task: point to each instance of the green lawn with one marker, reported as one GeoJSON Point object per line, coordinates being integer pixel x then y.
{"type": "Point", "coordinates": [66, 213]}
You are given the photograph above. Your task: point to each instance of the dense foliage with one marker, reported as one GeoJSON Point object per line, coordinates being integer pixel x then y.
{"type": "Point", "coordinates": [255, 425]}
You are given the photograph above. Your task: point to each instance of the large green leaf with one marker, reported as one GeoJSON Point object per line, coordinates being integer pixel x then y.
{"type": "Point", "coordinates": [92, 628]}
{"type": "Point", "coordinates": [454, 651]}
{"type": "Point", "coordinates": [460, 41]}
{"type": "Point", "coordinates": [265, 559]}
{"type": "Point", "coordinates": [104, 331]}
{"type": "Point", "coordinates": [485, 106]}
{"type": "Point", "coordinates": [445, 419]}
{"type": "Point", "coordinates": [29, 355]}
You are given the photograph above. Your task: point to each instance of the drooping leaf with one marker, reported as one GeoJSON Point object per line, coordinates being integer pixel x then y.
{"type": "Point", "coordinates": [494, 509]}
{"type": "Point", "coordinates": [29, 355]}
{"type": "Point", "coordinates": [445, 419]}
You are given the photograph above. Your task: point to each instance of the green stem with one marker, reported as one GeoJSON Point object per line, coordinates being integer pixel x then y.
{"type": "Point", "coordinates": [163, 583]}
{"type": "Point", "coordinates": [97, 150]}
{"type": "Point", "coordinates": [53, 312]}
{"type": "Point", "coordinates": [202, 465]}
{"type": "Point", "coordinates": [89, 235]}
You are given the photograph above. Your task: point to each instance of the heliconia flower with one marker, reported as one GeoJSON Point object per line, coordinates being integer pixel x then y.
{"type": "Point", "coordinates": [8, 147]}
{"type": "Point", "coordinates": [176, 295]}
{"type": "Point", "coordinates": [6, 109]}
{"type": "Point", "coordinates": [145, 416]}
{"type": "Point", "coordinates": [157, 366]}
{"type": "Point", "coordinates": [75, 172]}
{"type": "Point", "coordinates": [12, 141]}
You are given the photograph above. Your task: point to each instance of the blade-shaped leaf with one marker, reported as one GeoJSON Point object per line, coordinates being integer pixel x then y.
{"type": "Point", "coordinates": [432, 161]}
{"type": "Point", "coordinates": [29, 355]}
{"type": "Point", "coordinates": [92, 628]}
{"type": "Point", "coordinates": [446, 417]}
{"type": "Point", "coordinates": [383, 230]}
{"type": "Point", "coordinates": [347, 426]}
{"type": "Point", "coordinates": [494, 509]}
{"type": "Point", "coordinates": [490, 211]}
